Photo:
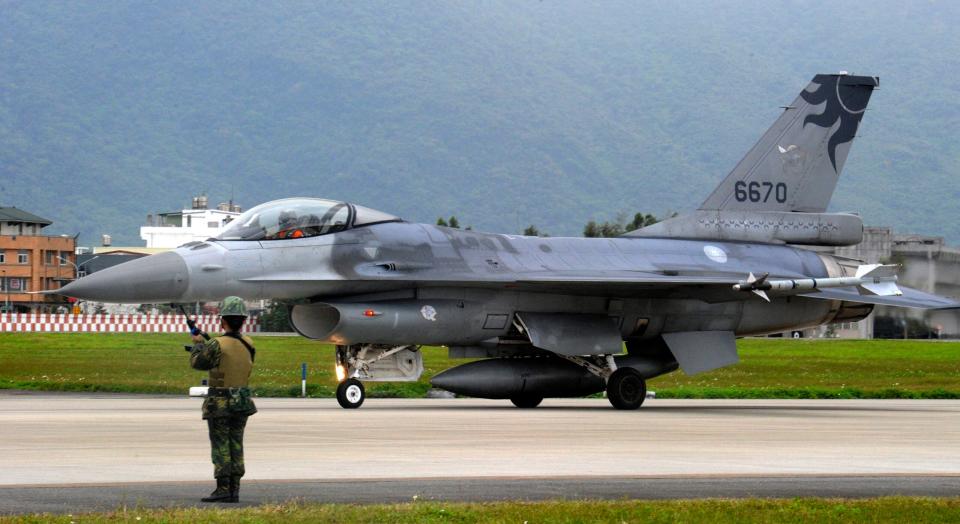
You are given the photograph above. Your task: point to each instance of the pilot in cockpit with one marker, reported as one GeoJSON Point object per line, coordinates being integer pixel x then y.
{"type": "Point", "coordinates": [289, 226]}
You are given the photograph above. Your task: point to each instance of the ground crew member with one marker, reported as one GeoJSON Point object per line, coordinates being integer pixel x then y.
{"type": "Point", "coordinates": [229, 358]}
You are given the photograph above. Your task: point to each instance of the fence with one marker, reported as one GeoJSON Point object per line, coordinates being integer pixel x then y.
{"type": "Point", "coordinates": [106, 323]}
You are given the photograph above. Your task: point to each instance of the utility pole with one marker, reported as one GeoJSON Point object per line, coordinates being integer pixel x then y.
{"type": "Point", "coordinates": [6, 289]}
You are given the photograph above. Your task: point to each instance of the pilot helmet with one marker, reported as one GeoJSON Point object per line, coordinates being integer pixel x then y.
{"type": "Point", "coordinates": [288, 217]}
{"type": "Point", "coordinates": [233, 307]}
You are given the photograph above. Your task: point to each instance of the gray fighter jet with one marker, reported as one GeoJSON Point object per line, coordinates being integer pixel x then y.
{"type": "Point", "coordinates": [554, 317]}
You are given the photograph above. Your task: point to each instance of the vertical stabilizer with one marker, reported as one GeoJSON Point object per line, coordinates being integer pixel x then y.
{"type": "Point", "coordinates": [796, 164]}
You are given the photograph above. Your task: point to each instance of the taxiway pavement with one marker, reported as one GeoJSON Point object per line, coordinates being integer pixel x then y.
{"type": "Point", "coordinates": [155, 448]}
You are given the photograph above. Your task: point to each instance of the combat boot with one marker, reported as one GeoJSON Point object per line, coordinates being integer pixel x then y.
{"type": "Point", "coordinates": [234, 489]}
{"type": "Point", "coordinates": [222, 493]}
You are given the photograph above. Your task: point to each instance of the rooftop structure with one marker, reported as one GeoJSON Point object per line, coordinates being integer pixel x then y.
{"type": "Point", "coordinates": [927, 263]}
{"type": "Point", "coordinates": [169, 230]}
{"type": "Point", "coordinates": [31, 261]}
{"type": "Point", "coordinates": [15, 221]}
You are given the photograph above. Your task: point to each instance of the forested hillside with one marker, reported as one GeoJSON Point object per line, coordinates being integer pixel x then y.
{"type": "Point", "coordinates": [503, 113]}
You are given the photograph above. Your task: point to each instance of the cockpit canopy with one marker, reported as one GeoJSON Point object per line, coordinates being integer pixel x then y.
{"type": "Point", "coordinates": [300, 218]}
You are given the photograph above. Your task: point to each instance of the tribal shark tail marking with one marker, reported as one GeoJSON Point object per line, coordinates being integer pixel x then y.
{"type": "Point", "coordinates": [845, 102]}
{"type": "Point", "coordinates": [795, 166]}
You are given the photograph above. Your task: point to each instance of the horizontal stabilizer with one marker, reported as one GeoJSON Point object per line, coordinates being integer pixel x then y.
{"type": "Point", "coordinates": [909, 298]}
{"type": "Point", "coordinates": [700, 351]}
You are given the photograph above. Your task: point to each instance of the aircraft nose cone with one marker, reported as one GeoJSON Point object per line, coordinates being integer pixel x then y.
{"type": "Point", "coordinates": [149, 280]}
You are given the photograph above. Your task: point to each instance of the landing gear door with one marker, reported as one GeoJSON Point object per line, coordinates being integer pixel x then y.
{"type": "Point", "coordinates": [571, 334]}
{"type": "Point", "coordinates": [405, 365]}
{"type": "Point", "coordinates": [380, 363]}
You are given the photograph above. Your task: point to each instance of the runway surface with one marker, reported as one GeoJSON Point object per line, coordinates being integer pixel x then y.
{"type": "Point", "coordinates": [58, 448]}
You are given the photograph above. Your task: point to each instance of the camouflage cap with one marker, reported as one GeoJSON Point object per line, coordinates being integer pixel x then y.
{"type": "Point", "coordinates": [233, 307]}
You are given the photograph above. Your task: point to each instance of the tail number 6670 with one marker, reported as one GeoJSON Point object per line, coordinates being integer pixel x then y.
{"type": "Point", "coordinates": [759, 191]}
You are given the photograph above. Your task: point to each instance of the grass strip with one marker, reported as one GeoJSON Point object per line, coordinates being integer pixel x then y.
{"type": "Point", "coordinates": [885, 509]}
{"type": "Point", "coordinates": [769, 368]}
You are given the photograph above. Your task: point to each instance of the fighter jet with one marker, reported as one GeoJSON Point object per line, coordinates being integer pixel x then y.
{"type": "Point", "coordinates": [554, 317]}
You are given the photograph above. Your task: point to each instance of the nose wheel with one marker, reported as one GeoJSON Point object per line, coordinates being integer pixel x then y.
{"type": "Point", "coordinates": [351, 394]}
{"type": "Point", "coordinates": [374, 363]}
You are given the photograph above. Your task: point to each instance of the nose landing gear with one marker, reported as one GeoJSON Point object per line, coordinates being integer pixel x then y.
{"type": "Point", "coordinates": [351, 393]}
{"type": "Point", "coordinates": [373, 362]}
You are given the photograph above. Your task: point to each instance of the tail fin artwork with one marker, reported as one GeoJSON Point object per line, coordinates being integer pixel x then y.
{"type": "Point", "coordinates": [795, 165]}
{"type": "Point", "coordinates": [779, 191]}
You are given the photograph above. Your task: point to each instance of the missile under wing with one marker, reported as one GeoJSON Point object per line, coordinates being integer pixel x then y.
{"type": "Point", "coordinates": [552, 317]}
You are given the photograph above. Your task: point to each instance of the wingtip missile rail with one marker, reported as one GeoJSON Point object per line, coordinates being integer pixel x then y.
{"type": "Point", "coordinates": [869, 279]}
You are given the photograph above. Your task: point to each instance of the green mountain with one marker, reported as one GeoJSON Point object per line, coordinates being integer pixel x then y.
{"type": "Point", "coordinates": [503, 113]}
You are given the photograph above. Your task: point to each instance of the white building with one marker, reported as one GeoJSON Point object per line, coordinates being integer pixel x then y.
{"type": "Point", "coordinates": [169, 230]}
{"type": "Point", "coordinates": [927, 264]}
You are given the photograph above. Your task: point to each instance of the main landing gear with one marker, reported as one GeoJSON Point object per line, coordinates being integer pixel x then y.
{"type": "Point", "coordinates": [373, 362]}
{"type": "Point", "coordinates": [626, 387]}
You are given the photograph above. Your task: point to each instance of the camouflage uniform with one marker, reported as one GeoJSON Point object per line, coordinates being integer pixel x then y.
{"type": "Point", "coordinates": [226, 415]}
{"type": "Point", "coordinates": [228, 403]}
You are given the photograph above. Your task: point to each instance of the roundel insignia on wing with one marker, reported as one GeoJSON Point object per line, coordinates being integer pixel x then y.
{"type": "Point", "coordinates": [715, 253]}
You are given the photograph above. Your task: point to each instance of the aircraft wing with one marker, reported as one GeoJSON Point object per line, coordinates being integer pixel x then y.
{"type": "Point", "coordinates": [710, 288]}
{"type": "Point", "coordinates": [623, 277]}
{"type": "Point", "coordinates": [585, 278]}
{"type": "Point", "coordinates": [718, 288]}
{"type": "Point", "coordinates": [910, 298]}
{"type": "Point", "coordinates": [715, 287]}
{"type": "Point", "coordinates": [706, 287]}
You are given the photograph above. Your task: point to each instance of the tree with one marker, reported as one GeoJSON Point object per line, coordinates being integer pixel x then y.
{"type": "Point", "coordinates": [591, 230]}
{"type": "Point", "coordinates": [275, 318]}
{"type": "Point", "coordinates": [531, 231]}
{"type": "Point", "coordinates": [619, 225]}
{"type": "Point", "coordinates": [641, 220]}
{"type": "Point", "coordinates": [611, 229]}
{"type": "Point", "coordinates": [453, 222]}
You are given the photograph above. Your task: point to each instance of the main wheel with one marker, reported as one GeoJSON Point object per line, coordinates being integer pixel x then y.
{"type": "Point", "coordinates": [526, 401]}
{"type": "Point", "coordinates": [626, 389]}
{"type": "Point", "coordinates": [350, 393]}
